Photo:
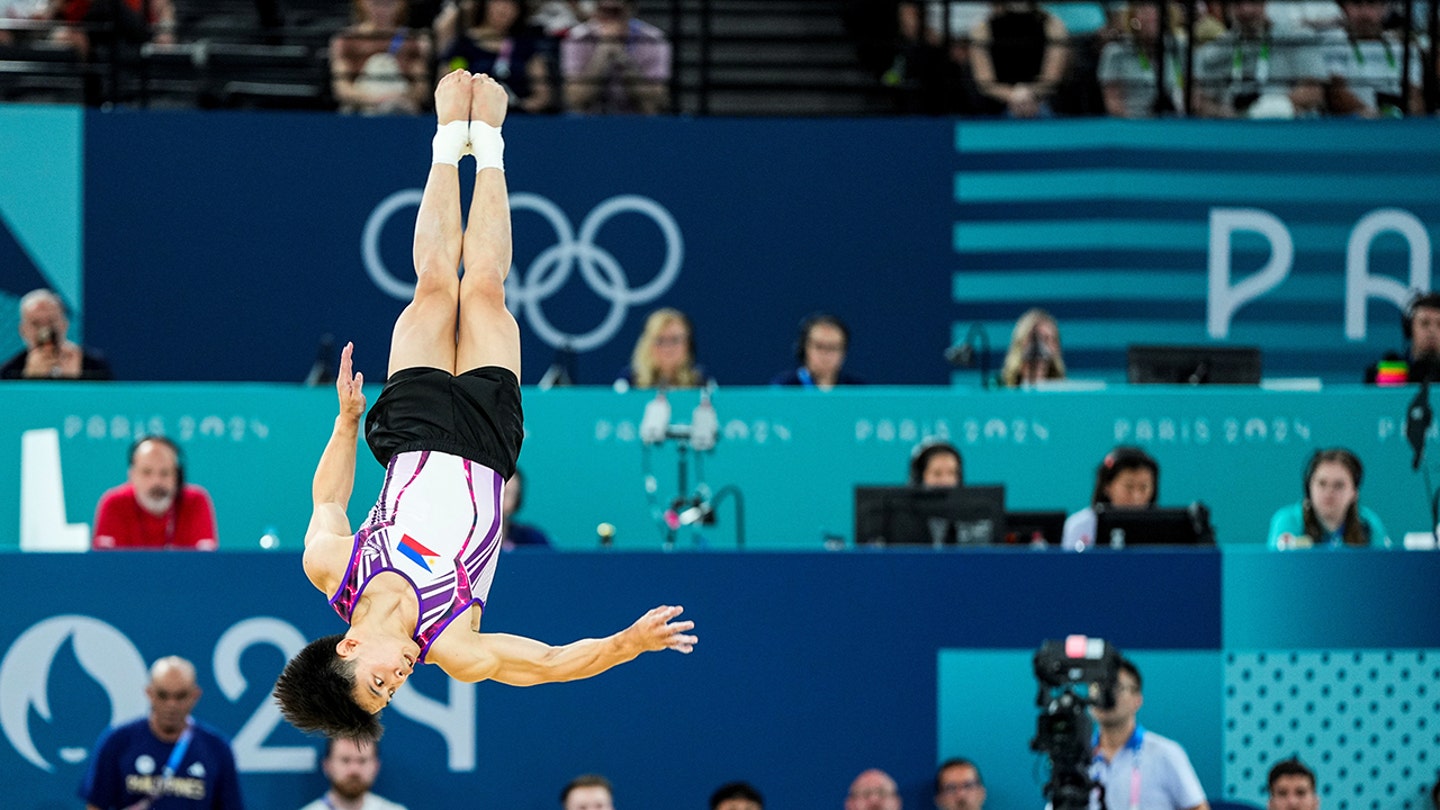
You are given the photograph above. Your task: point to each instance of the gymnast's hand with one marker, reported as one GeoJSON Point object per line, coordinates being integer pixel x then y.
{"type": "Point", "coordinates": [654, 631]}
{"type": "Point", "coordinates": [349, 385]}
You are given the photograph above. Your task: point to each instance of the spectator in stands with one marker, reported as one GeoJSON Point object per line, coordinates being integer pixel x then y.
{"type": "Point", "coordinates": [167, 758]}
{"type": "Point", "coordinates": [1034, 352]}
{"type": "Point", "coordinates": [351, 769]}
{"type": "Point", "coordinates": [1259, 69]}
{"type": "Point", "coordinates": [377, 66]}
{"type": "Point", "coordinates": [128, 22]}
{"type": "Point", "coordinates": [515, 533]}
{"type": "Point", "coordinates": [1019, 55]}
{"type": "Point", "coordinates": [1330, 514]}
{"type": "Point", "coordinates": [664, 356]}
{"type": "Point", "coordinates": [736, 796]}
{"type": "Point", "coordinates": [155, 508]}
{"type": "Point", "coordinates": [589, 791]}
{"type": "Point", "coordinates": [1128, 757]}
{"type": "Point", "coordinates": [958, 786]}
{"type": "Point", "coordinates": [820, 351]}
{"type": "Point", "coordinates": [873, 790]}
{"type": "Point", "coordinates": [557, 17]}
{"type": "Point", "coordinates": [1363, 60]}
{"type": "Point", "coordinates": [20, 11]}
{"type": "Point", "coordinates": [1127, 478]}
{"type": "Point", "coordinates": [936, 463]}
{"type": "Point", "coordinates": [1291, 786]}
{"type": "Point", "coordinates": [1309, 15]}
{"type": "Point", "coordinates": [492, 37]}
{"type": "Point", "coordinates": [1127, 66]}
{"type": "Point", "coordinates": [930, 59]}
{"type": "Point", "coordinates": [49, 354]}
{"type": "Point", "coordinates": [615, 63]}
{"type": "Point", "coordinates": [1420, 325]}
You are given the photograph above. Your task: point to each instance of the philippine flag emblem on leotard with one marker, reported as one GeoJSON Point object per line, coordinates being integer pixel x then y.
{"type": "Point", "coordinates": [417, 553]}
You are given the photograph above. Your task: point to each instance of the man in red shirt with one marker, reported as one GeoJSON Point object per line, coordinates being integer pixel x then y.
{"type": "Point", "coordinates": [155, 508]}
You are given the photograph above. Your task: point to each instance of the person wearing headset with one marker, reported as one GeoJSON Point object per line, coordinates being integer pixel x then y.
{"type": "Point", "coordinates": [155, 508]}
{"type": "Point", "coordinates": [1127, 478]}
{"type": "Point", "coordinates": [664, 355]}
{"type": "Point", "coordinates": [1420, 325]}
{"type": "Point", "coordinates": [935, 464]}
{"type": "Point", "coordinates": [820, 355]}
{"type": "Point", "coordinates": [1330, 514]}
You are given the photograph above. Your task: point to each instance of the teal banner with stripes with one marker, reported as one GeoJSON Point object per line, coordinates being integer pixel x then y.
{"type": "Point", "coordinates": [1305, 241]}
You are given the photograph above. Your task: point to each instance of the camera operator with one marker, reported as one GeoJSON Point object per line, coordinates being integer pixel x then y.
{"type": "Point", "coordinates": [48, 355]}
{"type": "Point", "coordinates": [1130, 760]}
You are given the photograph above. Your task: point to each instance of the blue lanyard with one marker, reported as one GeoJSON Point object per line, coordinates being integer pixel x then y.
{"type": "Point", "coordinates": [177, 753]}
{"type": "Point", "coordinates": [171, 766]}
{"type": "Point", "coordinates": [1137, 738]}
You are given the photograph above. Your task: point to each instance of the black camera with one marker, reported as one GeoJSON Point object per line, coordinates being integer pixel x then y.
{"type": "Point", "coordinates": [1074, 674]}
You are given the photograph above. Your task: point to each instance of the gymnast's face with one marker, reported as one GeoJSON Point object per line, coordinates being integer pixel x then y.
{"type": "Point", "coordinates": [379, 671]}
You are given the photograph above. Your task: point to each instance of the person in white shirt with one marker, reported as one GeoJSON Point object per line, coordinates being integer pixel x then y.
{"type": "Point", "coordinates": [1364, 59]}
{"type": "Point", "coordinates": [1139, 769]}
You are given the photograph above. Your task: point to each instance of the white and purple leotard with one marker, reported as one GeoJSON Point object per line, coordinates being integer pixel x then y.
{"type": "Point", "coordinates": [436, 523]}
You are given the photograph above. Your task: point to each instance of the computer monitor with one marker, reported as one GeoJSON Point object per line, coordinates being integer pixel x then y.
{"type": "Point", "coordinates": [915, 516]}
{"type": "Point", "coordinates": [1239, 365]}
{"type": "Point", "coordinates": [1157, 526]}
{"type": "Point", "coordinates": [1021, 526]}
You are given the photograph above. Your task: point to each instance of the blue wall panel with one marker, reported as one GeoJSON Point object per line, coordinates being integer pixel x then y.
{"type": "Point", "coordinates": [220, 246]}
{"type": "Point", "coordinates": [810, 668]}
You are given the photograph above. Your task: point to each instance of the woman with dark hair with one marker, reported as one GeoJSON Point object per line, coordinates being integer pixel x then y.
{"type": "Point", "coordinates": [936, 463]}
{"type": "Point", "coordinates": [493, 37]}
{"type": "Point", "coordinates": [1127, 478]}
{"type": "Point", "coordinates": [515, 534]}
{"type": "Point", "coordinates": [1330, 514]}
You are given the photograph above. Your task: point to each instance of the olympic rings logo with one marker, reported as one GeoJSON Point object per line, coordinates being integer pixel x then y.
{"type": "Point", "coordinates": [551, 268]}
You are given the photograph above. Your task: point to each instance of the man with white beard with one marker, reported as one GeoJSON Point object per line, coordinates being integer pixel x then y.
{"type": "Point", "coordinates": [155, 508]}
{"type": "Point", "coordinates": [351, 768]}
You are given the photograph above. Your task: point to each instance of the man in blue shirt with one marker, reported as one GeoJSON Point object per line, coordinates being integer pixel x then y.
{"type": "Point", "coordinates": [167, 760]}
{"type": "Point", "coordinates": [1139, 769]}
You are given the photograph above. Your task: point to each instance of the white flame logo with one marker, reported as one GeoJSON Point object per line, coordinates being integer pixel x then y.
{"type": "Point", "coordinates": [104, 653]}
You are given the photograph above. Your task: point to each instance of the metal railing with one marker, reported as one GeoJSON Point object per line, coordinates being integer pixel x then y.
{"type": "Point", "coordinates": [736, 57]}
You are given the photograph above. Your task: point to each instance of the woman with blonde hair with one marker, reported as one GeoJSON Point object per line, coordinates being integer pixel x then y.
{"type": "Point", "coordinates": [1034, 352]}
{"type": "Point", "coordinates": [664, 356]}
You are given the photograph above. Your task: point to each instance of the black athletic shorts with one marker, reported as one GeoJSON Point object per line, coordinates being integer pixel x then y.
{"type": "Point", "coordinates": [475, 415]}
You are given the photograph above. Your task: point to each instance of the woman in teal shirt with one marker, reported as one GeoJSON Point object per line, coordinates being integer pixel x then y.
{"type": "Point", "coordinates": [1331, 514]}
